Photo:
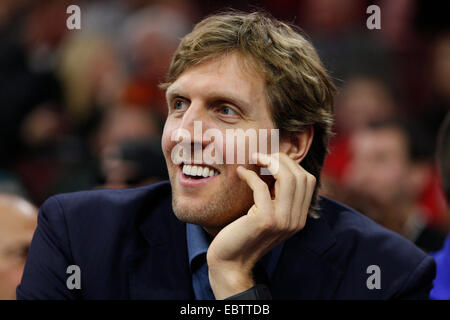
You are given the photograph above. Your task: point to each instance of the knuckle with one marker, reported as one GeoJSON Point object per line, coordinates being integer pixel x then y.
{"type": "Point", "coordinates": [268, 224]}
{"type": "Point", "coordinates": [284, 226]}
{"type": "Point", "coordinates": [262, 185]}
{"type": "Point", "coordinates": [252, 174]}
{"type": "Point", "coordinates": [303, 178]}
{"type": "Point", "coordinates": [312, 178]}
{"type": "Point", "coordinates": [262, 189]}
{"type": "Point", "coordinates": [296, 228]}
{"type": "Point", "coordinates": [293, 229]}
{"type": "Point", "coordinates": [302, 224]}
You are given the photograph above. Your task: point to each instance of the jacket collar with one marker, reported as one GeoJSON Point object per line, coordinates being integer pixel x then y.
{"type": "Point", "coordinates": [306, 269]}
{"type": "Point", "coordinates": [159, 269]}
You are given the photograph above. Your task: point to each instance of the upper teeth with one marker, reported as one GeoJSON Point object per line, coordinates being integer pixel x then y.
{"type": "Point", "coordinates": [193, 170]}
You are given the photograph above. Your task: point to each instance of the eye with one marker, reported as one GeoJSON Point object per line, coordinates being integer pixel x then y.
{"type": "Point", "coordinates": [227, 111]}
{"type": "Point", "coordinates": [179, 105]}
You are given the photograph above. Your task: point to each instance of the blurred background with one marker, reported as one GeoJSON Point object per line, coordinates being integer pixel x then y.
{"type": "Point", "coordinates": [80, 109]}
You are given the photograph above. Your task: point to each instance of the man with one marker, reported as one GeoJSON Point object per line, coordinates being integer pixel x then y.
{"type": "Point", "coordinates": [17, 223]}
{"type": "Point", "coordinates": [235, 232]}
{"type": "Point", "coordinates": [441, 289]}
{"type": "Point", "coordinates": [391, 165]}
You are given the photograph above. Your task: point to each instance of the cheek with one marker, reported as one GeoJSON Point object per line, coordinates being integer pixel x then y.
{"type": "Point", "coordinates": [238, 150]}
{"type": "Point", "coordinates": [166, 142]}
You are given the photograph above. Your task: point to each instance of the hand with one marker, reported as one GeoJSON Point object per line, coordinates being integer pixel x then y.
{"type": "Point", "coordinates": [237, 247]}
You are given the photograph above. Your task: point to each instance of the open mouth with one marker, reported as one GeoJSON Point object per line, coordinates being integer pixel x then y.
{"type": "Point", "coordinates": [197, 172]}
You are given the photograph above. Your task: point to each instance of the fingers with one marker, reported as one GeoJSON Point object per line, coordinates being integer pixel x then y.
{"type": "Point", "coordinates": [261, 193]}
{"type": "Point", "coordinates": [306, 184]}
{"type": "Point", "coordinates": [285, 185]}
{"type": "Point", "coordinates": [300, 186]}
{"type": "Point", "coordinates": [294, 188]}
{"type": "Point", "coordinates": [311, 184]}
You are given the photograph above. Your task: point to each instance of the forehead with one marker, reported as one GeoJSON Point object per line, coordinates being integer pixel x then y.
{"type": "Point", "coordinates": [228, 75]}
{"type": "Point", "coordinates": [386, 139]}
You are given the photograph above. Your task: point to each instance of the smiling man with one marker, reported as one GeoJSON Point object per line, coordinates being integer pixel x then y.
{"type": "Point", "coordinates": [221, 229]}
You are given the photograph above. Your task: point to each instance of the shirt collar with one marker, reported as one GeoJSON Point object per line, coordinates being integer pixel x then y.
{"type": "Point", "coordinates": [197, 241]}
{"type": "Point", "coordinates": [198, 244]}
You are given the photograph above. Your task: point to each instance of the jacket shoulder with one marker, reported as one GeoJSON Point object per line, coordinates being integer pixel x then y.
{"type": "Point", "coordinates": [363, 246]}
{"type": "Point", "coordinates": [104, 218]}
{"type": "Point", "coordinates": [94, 230]}
{"type": "Point", "coordinates": [110, 202]}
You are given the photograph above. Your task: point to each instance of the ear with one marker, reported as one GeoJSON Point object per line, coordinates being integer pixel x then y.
{"type": "Point", "coordinates": [296, 144]}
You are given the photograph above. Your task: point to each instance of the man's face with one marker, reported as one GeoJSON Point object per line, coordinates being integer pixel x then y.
{"type": "Point", "coordinates": [380, 165]}
{"type": "Point", "coordinates": [222, 94]}
{"type": "Point", "coordinates": [17, 225]}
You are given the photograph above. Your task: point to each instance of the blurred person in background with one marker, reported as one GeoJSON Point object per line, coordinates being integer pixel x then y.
{"type": "Point", "coordinates": [123, 123]}
{"type": "Point", "coordinates": [441, 289]}
{"type": "Point", "coordinates": [133, 163]}
{"type": "Point", "coordinates": [128, 147]}
{"type": "Point", "coordinates": [31, 107]}
{"type": "Point", "coordinates": [147, 41]}
{"type": "Point", "coordinates": [417, 32]}
{"type": "Point", "coordinates": [117, 144]}
{"type": "Point", "coordinates": [92, 77]}
{"type": "Point", "coordinates": [438, 104]}
{"type": "Point", "coordinates": [347, 48]}
{"type": "Point", "coordinates": [390, 167]}
{"type": "Point", "coordinates": [18, 220]}
{"type": "Point", "coordinates": [362, 99]}
{"type": "Point", "coordinates": [56, 84]}
{"type": "Point", "coordinates": [30, 32]}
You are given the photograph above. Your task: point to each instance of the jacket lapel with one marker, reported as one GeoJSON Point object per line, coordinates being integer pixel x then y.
{"type": "Point", "coordinates": [159, 268]}
{"type": "Point", "coordinates": [304, 271]}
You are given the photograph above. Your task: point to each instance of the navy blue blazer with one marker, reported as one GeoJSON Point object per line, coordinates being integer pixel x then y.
{"type": "Point", "coordinates": [129, 245]}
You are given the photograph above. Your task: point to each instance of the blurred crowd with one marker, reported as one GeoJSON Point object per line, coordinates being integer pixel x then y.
{"type": "Point", "coordinates": [81, 109]}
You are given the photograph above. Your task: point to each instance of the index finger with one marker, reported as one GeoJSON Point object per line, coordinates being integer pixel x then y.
{"type": "Point", "coordinates": [261, 193]}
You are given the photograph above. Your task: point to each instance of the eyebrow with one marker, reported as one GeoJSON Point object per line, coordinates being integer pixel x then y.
{"type": "Point", "coordinates": [171, 93]}
{"type": "Point", "coordinates": [215, 96]}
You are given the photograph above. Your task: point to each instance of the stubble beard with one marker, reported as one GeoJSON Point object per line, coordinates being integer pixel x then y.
{"type": "Point", "coordinates": [228, 204]}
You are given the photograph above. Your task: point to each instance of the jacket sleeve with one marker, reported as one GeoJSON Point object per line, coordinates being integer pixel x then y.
{"type": "Point", "coordinates": [420, 281]}
{"type": "Point", "coordinates": [44, 276]}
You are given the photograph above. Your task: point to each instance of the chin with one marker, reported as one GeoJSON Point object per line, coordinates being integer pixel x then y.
{"type": "Point", "coordinates": [216, 213]}
{"type": "Point", "coordinates": [205, 214]}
